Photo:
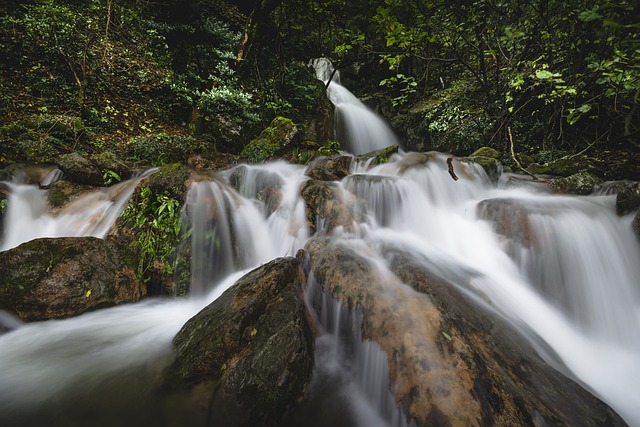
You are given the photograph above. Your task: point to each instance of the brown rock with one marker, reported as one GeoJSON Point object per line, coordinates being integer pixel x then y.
{"type": "Point", "coordinates": [450, 362]}
{"type": "Point", "coordinates": [58, 278]}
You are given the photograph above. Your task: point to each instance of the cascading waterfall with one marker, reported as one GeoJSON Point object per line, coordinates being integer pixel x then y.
{"type": "Point", "coordinates": [355, 368]}
{"type": "Point", "coordinates": [237, 229]}
{"type": "Point", "coordinates": [575, 287]}
{"type": "Point", "coordinates": [92, 214]}
{"type": "Point", "coordinates": [359, 128]}
{"type": "Point", "coordinates": [561, 269]}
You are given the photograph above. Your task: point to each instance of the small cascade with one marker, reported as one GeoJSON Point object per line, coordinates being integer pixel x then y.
{"type": "Point", "coordinates": [28, 215]}
{"type": "Point", "coordinates": [205, 213]}
{"type": "Point", "coordinates": [252, 221]}
{"type": "Point", "coordinates": [355, 367]}
{"type": "Point", "coordinates": [359, 128]}
{"type": "Point", "coordinates": [275, 189]}
{"type": "Point", "coordinates": [569, 268]}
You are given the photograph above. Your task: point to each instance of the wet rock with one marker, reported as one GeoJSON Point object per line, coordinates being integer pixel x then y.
{"type": "Point", "coordinates": [378, 157]}
{"type": "Point", "coordinates": [41, 175]}
{"type": "Point", "coordinates": [320, 128]}
{"type": "Point", "coordinates": [491, 165]}
{"type": "Point", "coordinates": [450, 362]}
{"type": "Point", "coordinates": [65, 277]}
{"type": "Point", "coordinates": [628, 198]}
{"type": "Point", "coordinates": [79, 170]}
{"type": "Point", "coordinates": [581, 183]}
{"type": "Point", "coordinates": [510, 219]}
{"type": "Point", "coordinates": [328, 206]}
{"type": "Point", "coordinates": [259, 184]}
{"type": "Point", "coordinates": [565, 166]}
{"type": "Point", "coordinates": [167, 185]}
{"type": "Point", "coordinates": [8, 322]}
{"type": "Point", "coordinates": [62, 192]}
{"type": "Point", "coordinates": [248, 356]}
{"type": "Point", "coordinates": [329, 168]}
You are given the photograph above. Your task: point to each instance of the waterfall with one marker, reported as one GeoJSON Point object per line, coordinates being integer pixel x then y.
{"type": "Point", "coordinates": [91, 214]}
{"type": "Point", "coordinates": [563, 270]}
{"type": "Point", "coordinates": [359, 128]}
{"type": "Point", "coordinates": [252, 217]}
{"type": "Point", "coordinates": [353, 367]}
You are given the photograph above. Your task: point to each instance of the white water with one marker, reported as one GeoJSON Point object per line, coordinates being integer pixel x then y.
{"type": "Point", "coordinates": [93, 214]}
{"type": "Point", "coordinates": [357, 127]}
{"type": "Point", "coordinates": [576, 289]}
{"type": "Point", "coordinates": [355, 368]}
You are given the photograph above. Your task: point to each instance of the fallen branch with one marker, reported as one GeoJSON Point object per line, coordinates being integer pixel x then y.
{"type": "Point", "coordinates": [513, 156]}
{"type": "Point", "coordinates": [450, 165]}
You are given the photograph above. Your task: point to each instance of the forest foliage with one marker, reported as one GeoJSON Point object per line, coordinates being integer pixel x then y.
{"type": "Point", "coordinates": [561, 76]}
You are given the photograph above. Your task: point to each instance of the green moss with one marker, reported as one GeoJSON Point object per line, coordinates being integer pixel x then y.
{"type": "Point", "coordinates": [486, 152]}
{"type": "Point", "coordinates": [258, 151]}
{"type": "Point", "coordinates": [271, 141]}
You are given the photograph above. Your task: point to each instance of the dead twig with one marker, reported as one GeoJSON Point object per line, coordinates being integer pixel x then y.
{"type": "Point", "coordinates": [450, 165]}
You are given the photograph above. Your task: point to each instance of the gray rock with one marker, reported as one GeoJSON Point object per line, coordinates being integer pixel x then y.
{"type": "Point", "coordinates": [79, 170]}
{"type": "Point", "coordinates": [628, 198]}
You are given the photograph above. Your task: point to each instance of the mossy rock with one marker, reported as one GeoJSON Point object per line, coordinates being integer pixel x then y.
{"type": "Point", "coordinates": [565, 166]}
{"type": "Point", "coordinates": [581, 183]}
{"type": "Point", "coordinates": [378, 157]}
{"type": "Point", "coordinates": [171, 180]}
{"type": "Point", "coordinates": [486, 152]}
{"type": "Point", "coordinates": [491, 165]}
{"type": "Point", "coordinates": [66, 277]}
{"type": "Point", "coordinates": [79, 170]}
{"type": "Point", "coordinates": [108, 161]}
{"type": "Point", "coordinates": [281, 135]}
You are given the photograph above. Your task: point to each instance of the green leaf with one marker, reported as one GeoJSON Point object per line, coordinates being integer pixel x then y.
{"type": "Point", "coordinates": [543, 74]}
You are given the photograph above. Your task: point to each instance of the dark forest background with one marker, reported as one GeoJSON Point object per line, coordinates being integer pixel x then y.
{"type": "Point", "coordinates": [158, 81]}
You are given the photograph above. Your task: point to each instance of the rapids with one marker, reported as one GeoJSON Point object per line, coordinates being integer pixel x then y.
{"type": "Point", "coordinates": [571, 289]}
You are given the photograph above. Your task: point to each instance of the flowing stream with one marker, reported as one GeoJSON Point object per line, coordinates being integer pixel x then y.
{"type": "Point", "coordinates": [564, 270]}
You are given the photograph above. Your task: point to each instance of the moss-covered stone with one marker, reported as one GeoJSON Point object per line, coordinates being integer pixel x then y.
{"type": "Point", "coordinates": [581, 183]}
{"type": "Point", "coordinates": [66, 277]}
{"type": "Point", "coordinates": [491, 165]}
{"type": "Point", "coordinates": [486, 152]}
{"type": "Point", "coordinates": [79, 170]}
{"type": "Point", "coordinates": [247, 357]}
{"type": "Point", "coordinates": [565, 166]}
{"type": "Point", "coordinates": [378, 157]}
{"type": "Point", "coordinates": [279, 136]}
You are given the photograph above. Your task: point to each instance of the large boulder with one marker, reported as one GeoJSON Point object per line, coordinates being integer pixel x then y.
{"type": "Point", "coordinates": [281, 135]}
{"type": "Point", "coordinates": [450, 362]}
{"type": "Point", "coordinates": [63, 277]}
{"type": "Point", "coordinates": [246, 358]}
